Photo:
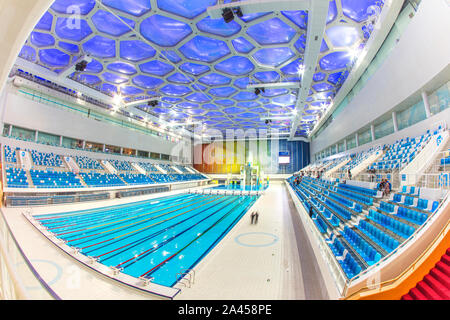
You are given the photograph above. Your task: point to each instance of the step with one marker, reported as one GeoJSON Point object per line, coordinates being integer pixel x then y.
{"type": "Point", "coordinates": [407, 297]}
{"type": "Point", "coordinates": [428, 291]}
{"type": "Point", "coordinates": [441, 277]}
{"type": "Point", "coordinates": [437, 287]}
{"type": "Point", "coordinates": [443, 268]}
{"type": "Point", "coordinates": [446, 259]}
{"type": "Point", "coordinates": [416, 294]}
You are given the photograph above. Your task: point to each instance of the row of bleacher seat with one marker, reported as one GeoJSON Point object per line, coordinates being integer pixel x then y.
{"type": "Point", "coordinates": [377, 233]}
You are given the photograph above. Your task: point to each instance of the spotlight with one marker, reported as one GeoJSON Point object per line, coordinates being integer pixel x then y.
{"type": "Point", "coordinates": [227, 15]}
{"type": "Point", "coordinates": [263, 90]}
{"type": "Point", "coordinates": [257, 91]}
{"type": "Point", "coordinates": [238, 12]}
{"type": "Point", "coordinates": [81, 66]}
{"type": "Point", "coordinates": [153, 103]}
{"type": "Point", "coordinates": [268, 121]}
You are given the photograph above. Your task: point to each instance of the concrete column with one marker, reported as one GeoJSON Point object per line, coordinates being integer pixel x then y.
{"type": "Point", "coordinates": [121, 150]}
{"type": "Point", "coordinates": [84, 144]}
{"type": "Point", "coordinates": [357, 139]}
{"type": "Point", "coordinates": [36, 135]}
{"type": "Point", "coordinates": [104, 148]}
{"type": "Point", "coordinates": [372, 131]}
{"type": "Point", "coordinates": [426, 104]}
{"type": "Point", "coordinates": [60, 140]}
{"type": "Point", "coordinates": [10, 130]}
{"type": "Point", "coordinates": [345, 144]}
{"type": "Point", "coordinates": [394, 120]}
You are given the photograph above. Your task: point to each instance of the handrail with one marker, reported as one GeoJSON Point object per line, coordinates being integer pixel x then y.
{"type": "Point", "coordinates": [406, 242]}
{"type": "Point", "coordinates": [426, 253]}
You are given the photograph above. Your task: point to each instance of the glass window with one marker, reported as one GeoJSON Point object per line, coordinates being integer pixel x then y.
{"type": "Point", "coordinates": [365, 137]}
{"type": "Point", "coordinates": [23, 134]}
{"type": "Point", "coordinates": [47, 138]}
{"type": "Point", "coordinates": [341, 146]}
{"type": "Point", "coordinates": [351, 142]}
{"type": "Point", "coordinates": [440, 99]}
{"type": "Point", "coordinates": [72, 143]}
{"type": "Point", "coordinates": [411, 115]}
{"type": "Point", "coordinates": [6, 129]}
{"type": "Point", "coordinates": [385, 128]}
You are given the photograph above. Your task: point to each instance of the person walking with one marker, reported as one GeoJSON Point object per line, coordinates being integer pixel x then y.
{"type": "Point", "coordinates": [252, 216]}
{"type": "Point", "coordinates": [256, 217]}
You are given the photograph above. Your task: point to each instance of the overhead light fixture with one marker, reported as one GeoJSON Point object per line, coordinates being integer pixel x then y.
{"type": "Point", "coordinates": [238, 12]}
{"type": "Point", "coordinates": [227, 15]}
{"type": "Point", "coordinates": [257, 91]}
{"type": "Point", "coordinates": [81, 66]}
{"type": "Point", "coordinates": [153, 103]}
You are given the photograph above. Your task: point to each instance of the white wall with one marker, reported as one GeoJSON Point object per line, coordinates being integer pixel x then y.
{"type": "Point", "coordinates": [22, 112]}
{"type": "Point", "coordinates": [422, 53]}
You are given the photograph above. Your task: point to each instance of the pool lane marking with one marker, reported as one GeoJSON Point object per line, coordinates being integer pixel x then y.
{"type": "Point", "coordinates": [98, 216]}
{"type": "Point", "coordinates": [195, 239]}
{"type": "Point", "coordinates": [141, 221]}
{"type": "Point", "coordinates": [101, 210]}
{"type": "Point", "coordinates": [141, 240]}
{"type": "Point", "coordinates": [152, 225]}
{"type": "Point", "coordinates": [217, 240]}
{"type": "Point", "coordinates": [133, 217]}
{"type": "Point", "coordinates": [105, 216]}
{"type": "Point", "coordinates": [151, 250]}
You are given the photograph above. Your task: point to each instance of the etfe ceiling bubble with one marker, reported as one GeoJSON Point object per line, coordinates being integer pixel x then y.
{"type": "Point", "coordinates": [172, 49]}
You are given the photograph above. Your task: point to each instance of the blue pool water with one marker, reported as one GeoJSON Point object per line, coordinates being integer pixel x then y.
{"type": "Point", "coordinates": [239, 187]}
{"type": "Point", "coordinates": [157, 238]}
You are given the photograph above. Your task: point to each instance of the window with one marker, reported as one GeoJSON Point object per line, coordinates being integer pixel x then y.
{"type": "Point", "coordinates": [411, 115]}
{"type": "Point", "coordinates": [351, 142]}
{"type": "Point", "coordinates": [440, 99]}
{"type": "Point", "coordinates": [341, 146]}
{"type": "Point", "coordinates": [49, 139]}
{"type": "Point", "coordinates": [365, 137]}
{"type": "Point", "coordinates": [23, 134]}
{"type": "Point", "coordinates": [385, 128]}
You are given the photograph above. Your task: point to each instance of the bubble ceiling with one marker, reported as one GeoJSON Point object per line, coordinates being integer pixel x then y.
{"type": "Point", "coordinates": [200, 67]}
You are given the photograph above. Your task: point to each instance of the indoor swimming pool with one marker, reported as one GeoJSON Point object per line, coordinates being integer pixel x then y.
{"type": "Point", "coordinates": [157, 239]}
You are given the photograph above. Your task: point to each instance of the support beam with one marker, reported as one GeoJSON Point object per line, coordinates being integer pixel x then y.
{"type": "Point", "coordinates": [394, 120]}
{"type": "Point", "coordinates": [372, 132]}
{"type": "Point", "coordinates": [256, 6]}
{"type": "Point", "coordinates": [317, 20]}
{"type": "Point", "coordinates": [426, 104]}
{"type": "Point", "coordinates": [275, 85]}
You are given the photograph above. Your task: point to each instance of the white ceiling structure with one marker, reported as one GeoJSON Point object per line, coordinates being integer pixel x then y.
{"type": "Point", "coordinates": [199, 68]}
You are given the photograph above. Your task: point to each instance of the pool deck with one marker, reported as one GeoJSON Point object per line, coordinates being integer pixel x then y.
{"type": "Point", "coordinates": [259, 261]}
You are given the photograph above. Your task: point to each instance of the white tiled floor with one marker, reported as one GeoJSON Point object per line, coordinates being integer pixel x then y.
{"type": "Point", "coordinates": [256, 268]}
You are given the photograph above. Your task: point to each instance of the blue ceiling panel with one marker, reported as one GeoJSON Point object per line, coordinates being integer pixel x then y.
{"type": "Point", "coordinates": [335, 60]}
{"type": "Point", "coordinates": [204, 49]}
{"type": "Point", "coordinates": [100, 47]}
{"type": "Point", "coordinates": [273, 56]}
{"type": "Point", "coordinates": [236, 66]}
{"type": "Point", "coordinates": [40, 39]}
{"type": "Point", "coordinates": [218, 27]}
{"type": "Point", "coordinates": [267, 76]}
{"type": "Point", "coordinates": [67, 29]}
{"type": "Point", "coordinates": [214, 79]}
{"type": "Point", "coordinates": [223, 91]}
{"type": "Point", "coordinates": [242, 45]}
{"type": "Point", "coordinates": [359, 10]}
{"type": "Point", "coordinates": [108, 23]}
{"type": "Point", "coordinates": [73, 6]}
{"type": "Point", "coordinates": [273, 31]}
{"type": "Point", "coordinates": [122, 67]}
{"type": "Point", "coordinates": [194, 68]}
{"type": "Point", "coordinates": [54, 57]}
{"type": "Point", "coordinates": [186, 8]}
{"type": "Point", "coordinates": [45, 23]}
{"type": "Point", "coordinates": [300, 18]}
{"type": "Point", "coordinates": [156, 68]}
{"type": "Point", "coordinates": [147, 82]}
{"type": "Point", "coordinates": [164, 31]}
{"type": "Point", "coordinates": [178, 77]}
{"type": "Point", "coordinates": [199, 97]}
{"type": "Point", "coordinates": [136, 50]}
{"type": "Point", "coordinates": [69, 47]}
{"type": "Point", "coordinates": [175, 90]}
{"type": "Point", "coordinates": [134, 7]}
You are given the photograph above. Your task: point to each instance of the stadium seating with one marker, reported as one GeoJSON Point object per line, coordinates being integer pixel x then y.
{"type": "Point", "coordinates": [54, 179]}
{"type": "Point", "coordinates": [96, 179]}
{"type": "Point", "coordinates": [46, 159]}
{"type": "Point", "coordinates": [136, 179]}
{"type": "Point", "coordinates": [10, 154]}
{"type": "Point", "coordinates": [16, 178]}
{"type": "Point", "coordinates": [87, 163]}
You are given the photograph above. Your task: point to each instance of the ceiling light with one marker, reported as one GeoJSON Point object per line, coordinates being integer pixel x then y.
{"type": "Point", "coordinates": [238, 12]}
{"type": "Point", "coordinates": [227, 15]}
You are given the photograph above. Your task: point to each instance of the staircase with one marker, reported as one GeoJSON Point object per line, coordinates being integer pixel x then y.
{"type": "Point", "coordinates": [30, 181]}
{"type": "Point", "coordinates": [435, 285]}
